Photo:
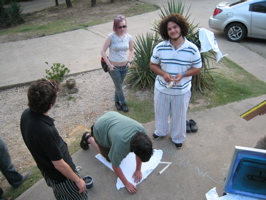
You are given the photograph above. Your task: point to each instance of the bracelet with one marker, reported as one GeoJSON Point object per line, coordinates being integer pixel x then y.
{"type": "Point", "coordinates": [183, 73]}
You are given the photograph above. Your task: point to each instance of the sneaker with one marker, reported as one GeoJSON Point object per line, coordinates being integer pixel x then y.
{"type": "Point", "coordinates": [188, 129]}
{"type": "Point", "coordinates": [118, 106]}
{"type": "Point", "coordinates": [193, 126]}
{"type": "Point", "coordinates": [26, 175]}
{"type": "Point", "coordinates": [124, 107]}
{"type": "Point", "coordinates": [155, 136]}
{"type": "Point", "coordinates": [178, 145]}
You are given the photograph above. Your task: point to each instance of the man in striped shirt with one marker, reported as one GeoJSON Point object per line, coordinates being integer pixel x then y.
{"type": "Point", "coordinates": [175, 60]}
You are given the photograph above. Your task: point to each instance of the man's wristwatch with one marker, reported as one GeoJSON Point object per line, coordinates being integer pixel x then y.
{"type": "Point", "coordinates": [184, 74]}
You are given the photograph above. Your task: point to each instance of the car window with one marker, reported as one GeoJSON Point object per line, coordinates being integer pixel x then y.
{"type": "Point", "coordinates": [237, 2]}
{"type": "Point", "coordinates": [258, 7]}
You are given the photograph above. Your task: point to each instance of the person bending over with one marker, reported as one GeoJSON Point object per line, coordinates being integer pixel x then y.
{"type": "Point", "coordinates": [115, 136]}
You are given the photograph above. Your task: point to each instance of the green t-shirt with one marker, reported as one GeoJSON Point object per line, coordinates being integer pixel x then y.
{"type": "Point", "coordinates": [113, 130]}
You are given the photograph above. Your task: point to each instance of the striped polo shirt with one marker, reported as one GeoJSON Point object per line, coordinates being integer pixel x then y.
{"type": "Point", "coordinates": [174, 61]}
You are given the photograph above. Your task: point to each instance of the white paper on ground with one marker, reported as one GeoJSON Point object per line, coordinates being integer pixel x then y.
{"type": "Point", "coordinates": [212, 195]}
{"type": "Point", "coordinates": [236, 197]}
{"type": "Point", "coordinates": [128, 166]}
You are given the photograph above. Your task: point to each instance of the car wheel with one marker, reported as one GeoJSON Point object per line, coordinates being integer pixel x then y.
{"type": "Point", "coordinates": [236, 32]}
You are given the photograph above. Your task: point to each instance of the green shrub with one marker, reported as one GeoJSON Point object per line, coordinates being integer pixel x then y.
{"type": "Point", "coordinates": [203, 80]}
{"type": "Point", "coordinates": [57, 72]}
{"type": "Point", "coordinates": [173, 7]}
{"type": "Point", "coordinates": [139, 75]}
{"type": "Point", "coordinates": [11, 15]}
{"type": "Point", "coordinates": [15, 13]}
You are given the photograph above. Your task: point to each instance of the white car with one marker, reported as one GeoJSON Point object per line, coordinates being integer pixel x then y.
{"type": "Point", "coordinates": [240, 19]}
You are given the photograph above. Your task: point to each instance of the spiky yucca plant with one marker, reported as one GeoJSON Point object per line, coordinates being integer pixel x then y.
{"type": "Point", "coordinates": [204, 79]}
{"type": "Point", "coordinates": [139, 75]}
{"type": "Point", "coordinates": [173, 7]}
{"type": "Point", "coordinates": [10, 15]}
{"type": "Point", "coordinates": [15, 13]}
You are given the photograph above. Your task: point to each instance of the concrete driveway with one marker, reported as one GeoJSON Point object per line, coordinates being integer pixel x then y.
{"type": "Point", "coordinates": [202, 9]}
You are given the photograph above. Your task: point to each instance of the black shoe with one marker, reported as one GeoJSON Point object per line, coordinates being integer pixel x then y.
{"type": "Point", "coordinates": [178, 145]}
{"type": "Point", "coordinates": [84, 144]}
{"type": "Point", "coordinates": [188, 129]}
{"type": "Point", "coordinates": [1, 193]}
{"type": "Point", "coordinates": [118, 106]}
{"type": "Point", "coordinates": [155, 136]}
{"type": "Point", "coordinates": [124, 107]}
{"type": "Point", "coordinates": [193, 126]}
{"type": "Point", "coordinates": [24, 177]}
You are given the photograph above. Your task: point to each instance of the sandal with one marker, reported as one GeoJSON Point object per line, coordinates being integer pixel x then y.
{"type": "Point", "coordinates": [84, 144]}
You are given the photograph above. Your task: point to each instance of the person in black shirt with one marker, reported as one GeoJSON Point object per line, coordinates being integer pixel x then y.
{"type": "Point", "coordinates": [48, 149]}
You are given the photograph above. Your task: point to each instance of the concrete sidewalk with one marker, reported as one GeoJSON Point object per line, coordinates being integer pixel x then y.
{"type": "Point", "coordinates": [201, 164]}
{"type": "Point", "coordinates": [24, 61]}
{"type": "Point", "coordinates": [79, 50]}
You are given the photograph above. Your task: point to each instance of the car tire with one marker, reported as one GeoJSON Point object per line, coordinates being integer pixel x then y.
{"type": "Point", "coordinates": [236, 32]}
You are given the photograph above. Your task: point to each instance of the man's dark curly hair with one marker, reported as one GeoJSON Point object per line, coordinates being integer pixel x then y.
{"type": "Point", "coordinates": [141, 145]}
{"type": "Point", "coordinates": [176, 18]}
{"type": "Point", "coordinates": [42, 94]}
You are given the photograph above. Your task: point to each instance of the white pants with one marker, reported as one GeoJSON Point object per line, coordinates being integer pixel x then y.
{"type": "Point", "coordinates": [177, 106]}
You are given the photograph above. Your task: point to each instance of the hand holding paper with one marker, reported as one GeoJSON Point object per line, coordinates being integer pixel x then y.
{"type": "Point", "coordinates": [128, 166]}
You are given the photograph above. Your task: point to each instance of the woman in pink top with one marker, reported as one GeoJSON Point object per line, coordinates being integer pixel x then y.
{"type": "Point", "coordinates": [119, 43]}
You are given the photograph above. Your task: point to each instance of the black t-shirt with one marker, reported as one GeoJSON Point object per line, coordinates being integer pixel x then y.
{"type": "Point", "coordinates": [44, 143]}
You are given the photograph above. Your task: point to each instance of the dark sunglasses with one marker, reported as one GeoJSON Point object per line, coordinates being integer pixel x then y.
{"type": "Point", "coordinates": [120, 27]}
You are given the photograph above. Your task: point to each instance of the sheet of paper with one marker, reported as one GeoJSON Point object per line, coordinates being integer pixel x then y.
{"type": "Point", "coordinates": [213, 195]}
{"type": "Point", "coordinates": [128, 166]}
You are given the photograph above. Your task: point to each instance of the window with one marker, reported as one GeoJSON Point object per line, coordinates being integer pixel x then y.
{"type": "Point", "coordinates": [237, 2]}
{"type": "Point", "coordinates": [258, 7]}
